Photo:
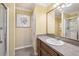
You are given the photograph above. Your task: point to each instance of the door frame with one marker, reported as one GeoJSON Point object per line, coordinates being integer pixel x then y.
{"type": "Point", "coordinates": [7, 23]}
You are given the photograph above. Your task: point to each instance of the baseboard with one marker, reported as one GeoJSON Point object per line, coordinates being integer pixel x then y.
{"type": "Point", "coordinates": [23, 47]}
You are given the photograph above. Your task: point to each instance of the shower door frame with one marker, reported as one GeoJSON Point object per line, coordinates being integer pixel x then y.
{"type": "Point", "coordinates": [77, 33]}
{"type": "Point", "coordinates": [7, 30]}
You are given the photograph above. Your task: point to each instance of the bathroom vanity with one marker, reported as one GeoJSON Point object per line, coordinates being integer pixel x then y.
{"type": "Point", "coordinates": [62, 38]}
{"type": "Point", "coordinates": [46, 49]}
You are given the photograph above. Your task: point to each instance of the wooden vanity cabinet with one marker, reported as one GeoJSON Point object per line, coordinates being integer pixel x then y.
{"type": "Point", "coordinates": [45, 50]}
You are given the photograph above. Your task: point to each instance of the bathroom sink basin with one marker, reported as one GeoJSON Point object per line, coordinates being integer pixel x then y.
{"type": "Point", "coordinates": [54, 41]}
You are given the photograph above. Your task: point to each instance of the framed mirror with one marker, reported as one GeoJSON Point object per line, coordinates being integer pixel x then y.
{"type": "Point", "coordinates": [63, 21]}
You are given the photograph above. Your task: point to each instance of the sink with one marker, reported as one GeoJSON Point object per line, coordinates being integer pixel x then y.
{"type": "Point", "coordinates": [54, 41]}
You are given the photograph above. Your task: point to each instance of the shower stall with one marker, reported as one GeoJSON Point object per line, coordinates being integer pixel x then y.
{"type": "Point", "coordinates": [72, 28]}
{"type": "Point", "coordinates": [3, 30]}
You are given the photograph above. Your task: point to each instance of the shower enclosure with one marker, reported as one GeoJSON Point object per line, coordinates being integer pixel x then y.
{"type": "Point", "coordinates": [71, 28]}
{"type": "Point", "coordinates": [3, 30]}
{"type": "Point", "coordinates": [71, 21]}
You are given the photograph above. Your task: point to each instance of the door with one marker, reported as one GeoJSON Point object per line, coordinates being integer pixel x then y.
{"type": "Point", "coordinates": [3, 30]}
{"type": "Point", "coordinates": [71, 28]}
{"type": "Point", "coordinates": [67, 28]}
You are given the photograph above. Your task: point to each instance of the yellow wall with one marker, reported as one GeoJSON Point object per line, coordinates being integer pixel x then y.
{"type": "Point", "coordinates": [23, 35]}
{"type": "Point", "coordinates": [40, 14]}
{"type": "Point", "coordinates": [51, 23]}
{"type": "Point", "coordinates": [11, 16]}
{"type": "Point", "coordinates": [25, 12]}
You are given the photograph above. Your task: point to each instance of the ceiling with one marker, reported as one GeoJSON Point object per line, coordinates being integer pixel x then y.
{"type": "Point", "coordinates": [30, 6]}
{"type": "Point", "coordinates": [74, 8]}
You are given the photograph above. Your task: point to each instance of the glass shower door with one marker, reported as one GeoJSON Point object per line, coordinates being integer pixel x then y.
{"type": "Point", "coordinates": [3, 30]}
{"type": "Point", "coordinates": [71, 28]}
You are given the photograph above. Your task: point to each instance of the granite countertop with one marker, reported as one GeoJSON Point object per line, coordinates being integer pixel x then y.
{"type": "Point", "coordinates": [67, 49]}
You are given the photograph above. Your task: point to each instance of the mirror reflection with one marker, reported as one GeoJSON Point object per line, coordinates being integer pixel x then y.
{"type": "Point", "coordinates": [71, 18]}
{"type": "Point", "coordinates": [65, 20]}
{"type": "Point", "coordinates": [58, 22]}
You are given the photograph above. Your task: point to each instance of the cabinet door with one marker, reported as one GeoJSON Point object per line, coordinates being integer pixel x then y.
{"type": "Point", "coordinates": [48, 50]}
{"type": "Point", "coordinates": [43, 53]}
{"type": "Point", "coordinates": [44, 50]}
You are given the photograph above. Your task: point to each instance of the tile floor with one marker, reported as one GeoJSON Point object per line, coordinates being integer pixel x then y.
{"type": "Point", "coordinates": [25, 52]}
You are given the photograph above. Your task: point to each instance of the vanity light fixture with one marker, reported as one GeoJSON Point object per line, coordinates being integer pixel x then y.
{"type": "Point", "coordinates": [56, 4]}
{"type": "Point", "coordinates": [68, 4]}
{"type": "Point", "coordinates": [60, 8]}
{"type": "Point", "coordinates": [63, 5]}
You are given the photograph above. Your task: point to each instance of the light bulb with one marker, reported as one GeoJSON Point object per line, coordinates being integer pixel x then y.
{"type": "Point", "coordinates": [68, 4]}
{"type": "Point", "coordinates": [62, 6]}
{"type": "Point", "coordinates": [55, 5]}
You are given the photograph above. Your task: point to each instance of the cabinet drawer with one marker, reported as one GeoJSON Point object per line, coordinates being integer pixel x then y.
{"type": "Point", "coordinates": [48, 49]}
